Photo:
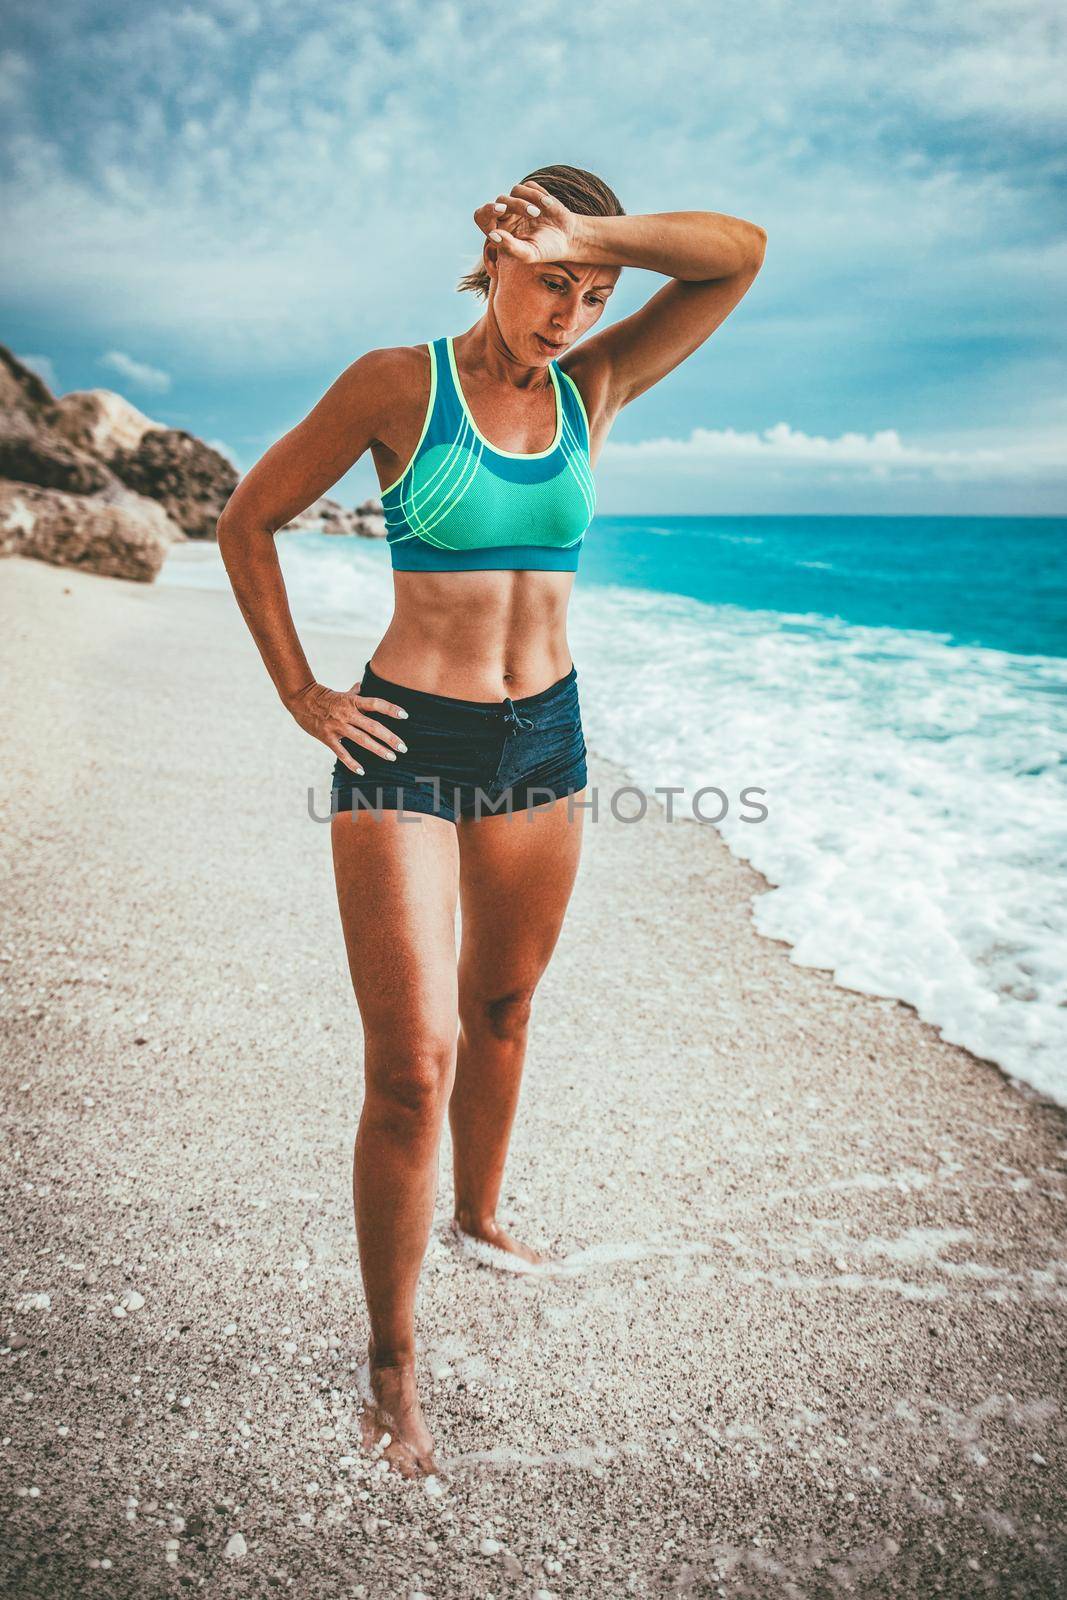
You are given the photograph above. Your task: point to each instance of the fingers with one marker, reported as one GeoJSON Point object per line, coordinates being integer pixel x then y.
{"type": "Point", "coordinates": [343, 756]}
{"type": "Point", "coordinates": [540, 196]}
{"type": "Point", "coordinates": [513, 247]}
{"type": "Point", "coordinates": [492, 221]}
{"type": "Point", "coordinates": [552, 210]}
{"type": "Point", "coordinates": [487, 216]}
{"type": "Point", "coordinates": [525, 205]}
{"type": "Point", "coordinates": [362, 735]}
{"type": "Point", "coordinates": [508, 208]}
{"type": "Point", "coordinates": [368, 732]}
{"type": "Point", "coordinates": [361, 729]}
{"type": "Point", "coordinates": [373, 702]}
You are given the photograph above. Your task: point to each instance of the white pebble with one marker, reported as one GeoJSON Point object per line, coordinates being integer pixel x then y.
{"type": "Point", "coordinates": [235, 1547]}
{"type": "Point", "coordinates": [131, 1299]}
{"type": "Point", "coordinates": [32, 1302]}
{"type": "Point", "coordinates": [229, 1330]}
{"type": "Point", "coordinates": [489, 1547]}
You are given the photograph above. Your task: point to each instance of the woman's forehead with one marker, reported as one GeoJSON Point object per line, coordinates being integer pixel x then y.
{"type": "Point", "coordinates": [581, 271]}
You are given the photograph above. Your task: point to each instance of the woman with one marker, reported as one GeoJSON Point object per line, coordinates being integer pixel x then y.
{"type": "Point", "coordinates": [460, 759]}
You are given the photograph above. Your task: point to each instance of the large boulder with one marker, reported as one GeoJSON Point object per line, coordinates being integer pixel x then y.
{"type": "Point", "coordinates": [31, 453]}
{"type": "Point", "coordinates": [22, 392]}
{"type": "Point", "coordinates": [99, 421]}
{"type": "Point", "coordinates": [191, 481]}
{"type": "Point", "coordinates": [117, 494]}
{"type": "Point", "coordinates": [30, 449]}
{"type": "Point", "coordinates": [70, 530]}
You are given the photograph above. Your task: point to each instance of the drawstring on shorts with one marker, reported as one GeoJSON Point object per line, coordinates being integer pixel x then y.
{"type": "Point", "coordinates": [513, 720]}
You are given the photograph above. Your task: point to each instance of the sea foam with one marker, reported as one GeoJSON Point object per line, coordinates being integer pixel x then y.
{"type": "Point", "coordinates": [916, 790]}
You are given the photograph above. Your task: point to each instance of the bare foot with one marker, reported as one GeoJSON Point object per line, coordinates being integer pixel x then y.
{"type": "Point", "coordinates": [392, 1424]}
{"type": "Point", "coordinates": [488, 1242]}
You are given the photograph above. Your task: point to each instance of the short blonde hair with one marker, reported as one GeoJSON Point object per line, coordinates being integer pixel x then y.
{"type": "Point", "coordinates": [580, 191]}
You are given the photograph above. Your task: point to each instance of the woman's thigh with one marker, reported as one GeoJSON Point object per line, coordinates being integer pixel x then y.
{"type": "Point", "coordinates": [397, 876]}
{"type": "Point", "coordinates": [516, 877]}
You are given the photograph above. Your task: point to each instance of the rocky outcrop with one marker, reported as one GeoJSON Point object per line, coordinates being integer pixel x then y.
{"type": "Point", "coordinates": [61, 499]}
{"type": "Point", "coordinates": [367, 520]}
{"type": "Point", "coordinates": [99, 421]}
{"type": "Point", "coordinates": [190, 480]}
{"type": "Point", "coordinates": [115, 540]}
{"type": "Point", "coordinates": [88, 480]}
{"type": "Point", "coordinates": [31, 451]}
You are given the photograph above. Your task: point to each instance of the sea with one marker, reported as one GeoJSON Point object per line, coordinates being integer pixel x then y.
{"type": "Point", "coordinates": [872, 711]}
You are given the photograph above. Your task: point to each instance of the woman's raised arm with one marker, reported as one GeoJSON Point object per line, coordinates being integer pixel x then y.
{"type": "Point", "coordinates": [710, 257]}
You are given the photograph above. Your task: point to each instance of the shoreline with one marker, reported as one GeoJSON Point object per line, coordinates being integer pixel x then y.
{"type": "Point", "coordinates": [817, 1337]}
{"type": "Point", "coordinates": [195, 552]}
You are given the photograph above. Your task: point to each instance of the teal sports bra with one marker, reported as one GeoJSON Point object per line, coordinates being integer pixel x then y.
{"type": "Point", "coordinates": [461, 504]}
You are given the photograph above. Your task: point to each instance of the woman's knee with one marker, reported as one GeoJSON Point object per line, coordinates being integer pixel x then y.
{"type": "Point", "coordinates": [504, 1013]}
{"type": "Point", "coordinates": [408, 1079]}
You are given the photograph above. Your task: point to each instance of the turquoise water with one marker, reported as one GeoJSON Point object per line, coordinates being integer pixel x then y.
{"type": "Point", "coordinates": [896, 688]}
{"type": "Point", "coordinates": [1000, 582]}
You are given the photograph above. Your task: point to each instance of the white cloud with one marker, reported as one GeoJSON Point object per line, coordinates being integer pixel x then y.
{"type": "Point", "coordinates": [250, 193]}
{"type": "Point", "coordinates": [137, 373]}
{"type": "Point", "coordinates": [306, 174]}
{"type": "Point", "coordinates": [877, 455]}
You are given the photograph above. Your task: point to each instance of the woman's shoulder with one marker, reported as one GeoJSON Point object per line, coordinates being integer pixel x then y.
{"type": "Point", "coordinates": [399, 377]}
{"type": "Point", "coordinates": [388, 384]}
{"type": "Point", "coordinates": [392, 366]}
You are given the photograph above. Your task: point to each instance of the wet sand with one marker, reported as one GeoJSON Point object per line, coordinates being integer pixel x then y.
{"type": "Point", "coordinates": [811, 1341]}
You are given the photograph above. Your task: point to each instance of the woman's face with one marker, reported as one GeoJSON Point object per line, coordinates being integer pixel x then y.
{"type": "Point", "coordinates": [543, 309]}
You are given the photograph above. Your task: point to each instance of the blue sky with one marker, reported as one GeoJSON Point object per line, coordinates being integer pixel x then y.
{"type": "Point", "coordinates": [214, 207]}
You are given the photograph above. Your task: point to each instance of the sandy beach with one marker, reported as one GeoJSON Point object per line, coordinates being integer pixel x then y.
{"type": "Point", "coordinates": [811, 1341]}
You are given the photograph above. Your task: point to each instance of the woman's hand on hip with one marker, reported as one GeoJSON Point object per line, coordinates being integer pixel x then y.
{"type": "Point", "coordinates": [332, 714]}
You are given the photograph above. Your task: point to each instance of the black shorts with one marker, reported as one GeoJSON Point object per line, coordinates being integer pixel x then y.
{"type": "Point", "coordinates": [468, 758]}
